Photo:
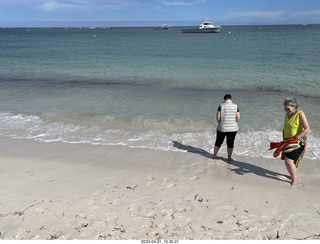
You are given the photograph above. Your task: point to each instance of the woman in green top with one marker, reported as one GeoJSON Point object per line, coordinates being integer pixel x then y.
{"type": "Point", "coordinates": [295, 124]}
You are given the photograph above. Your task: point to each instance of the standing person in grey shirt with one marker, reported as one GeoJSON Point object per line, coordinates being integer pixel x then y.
{"type": "Point", "coordinates": [228, 115]}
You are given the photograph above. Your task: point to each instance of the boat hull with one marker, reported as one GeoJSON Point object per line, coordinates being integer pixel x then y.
{"type": "Point", "coordinates": [161, 28]}
{"type": "Point", "coordinates": [207, 30]}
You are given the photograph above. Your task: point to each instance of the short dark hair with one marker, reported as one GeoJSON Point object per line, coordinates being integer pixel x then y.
{"type": "Point", "coordinates": [227, 96]}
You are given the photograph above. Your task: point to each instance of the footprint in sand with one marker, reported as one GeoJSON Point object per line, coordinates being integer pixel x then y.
{"type": "Point", "coordinates": [91, 202]}
{"type": "Point", "coordinates": [225, 208]}
{"type": "Point", "coordinates": [170, 213]}
{"type": "Point", "coordinates": [117, 202]}
{"type": "Point", "coordinates": [98, 193]}
{"type": "Point", "coordinates": [152, 180]}
{"type": "Point", "coordinates": [194, 177]}
{"type": "Point", "coordinates": [45, 211]}
{"type": "Point", "coordinates": [195, 164]}
{"type": "Point", "coordinates": [162, 226]}
{"type": "Point", "coordinates": [168, 183]}
{"type": "Point", "coordinates": [183, 210]}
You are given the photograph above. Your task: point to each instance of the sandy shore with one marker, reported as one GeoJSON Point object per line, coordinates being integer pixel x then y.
{"type": "Point", "coordinates": [67, 191]}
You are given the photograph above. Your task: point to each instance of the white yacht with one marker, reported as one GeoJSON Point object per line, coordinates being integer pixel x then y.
{"type": "Point", "coordinates": [205, 27]}
{"type": "Point", "coordinates": [163, 27]}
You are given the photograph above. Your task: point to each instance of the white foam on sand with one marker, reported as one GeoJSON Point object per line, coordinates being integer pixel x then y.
{"type": "Point", "coordinates": [253, 143]}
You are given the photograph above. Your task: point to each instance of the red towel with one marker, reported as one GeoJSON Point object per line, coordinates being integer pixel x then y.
{"type": "Point", "coordinates": [282, 145]}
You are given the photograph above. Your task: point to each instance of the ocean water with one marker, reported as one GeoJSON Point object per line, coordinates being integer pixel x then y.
{"type": "Point", "coordinates": [149, 88]}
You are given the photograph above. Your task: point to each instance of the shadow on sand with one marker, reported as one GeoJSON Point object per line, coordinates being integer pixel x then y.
{"type": "Point", "coordinates": [241, 168]}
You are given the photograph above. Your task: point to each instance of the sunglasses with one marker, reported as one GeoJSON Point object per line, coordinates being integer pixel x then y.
{"type": "Point", "coordinates": [287, 109]}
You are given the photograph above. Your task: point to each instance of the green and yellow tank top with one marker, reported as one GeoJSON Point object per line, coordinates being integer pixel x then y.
{"type": "Point", "coordinates": [292, 126]}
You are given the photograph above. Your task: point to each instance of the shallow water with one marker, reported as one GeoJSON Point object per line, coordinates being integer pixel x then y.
{"type": "Point", "coordinates": [147, 88]}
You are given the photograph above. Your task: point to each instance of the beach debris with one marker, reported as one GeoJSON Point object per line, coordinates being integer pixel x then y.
{"type": "Point", "coordinates": [181, 228]}
{"type": "Point", "coordinates": [318, 212]}
{"type": "Point", "coordinates": [232, 188]}
{"type": "Point", "coordinates": [84, 224]}
{"type": "Point", "coordinates": [155, 235]}
{"type": "Point", "coordinates": [199, 200]}
{"type": "Point", "coordinates": [80, 216]}
{"type": "Point", "coordinates": [220, 222]}
{"type": "Point", "coordinates": [168, 214]}
{"type": "Point", "coordinates": [54, 236]}
{"type": "Point", "coordinates": [278, 236]}
{"type": "Point", "coordinates": [102, 237]}
{"type": "Point", "coordinates": [205, 228]}
{"type": "Point", "coordinates": [119, 229]}
{"type": "Point", "coordinates": [314, 236]}
{"type": "Point", "coordinates": [129, 187]}
{"type": "Point", "coordinates": [238, 223]}
{"type": "Point", "coordinates": [20, 213]}
{"type": "Point", "coordinates": [150, 217]}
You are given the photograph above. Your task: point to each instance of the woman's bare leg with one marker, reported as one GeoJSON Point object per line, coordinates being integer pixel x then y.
{"type": "Point", "coordinates": [292, 169]}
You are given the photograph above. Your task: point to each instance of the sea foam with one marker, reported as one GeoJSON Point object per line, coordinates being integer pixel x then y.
{"type": "Point", "coordinates": [253, 143]}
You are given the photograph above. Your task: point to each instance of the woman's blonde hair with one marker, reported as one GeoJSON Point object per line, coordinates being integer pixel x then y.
{"type": "Point", "coordinates": [291, 101]}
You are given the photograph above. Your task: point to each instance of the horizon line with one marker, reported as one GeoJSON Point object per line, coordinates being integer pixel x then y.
{"type": "Point", "coordinates": [139, 26]}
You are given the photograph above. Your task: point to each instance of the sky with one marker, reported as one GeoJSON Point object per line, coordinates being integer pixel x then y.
{"type": "Point", "coordinates": [112, 13]}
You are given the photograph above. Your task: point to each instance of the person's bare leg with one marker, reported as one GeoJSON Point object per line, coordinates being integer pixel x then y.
{"type": "Point", "coordinates": [292, 169]}
{"type": "Point", "coordinates": [215, 152]}
{"type": "Point", "coordinates": [230, 150]}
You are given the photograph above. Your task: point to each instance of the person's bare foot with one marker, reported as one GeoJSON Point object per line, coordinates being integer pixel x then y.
{"type": "Point", "coordinates": [294, 184]}
{"type": "Point", "coordinates": [230, 159]}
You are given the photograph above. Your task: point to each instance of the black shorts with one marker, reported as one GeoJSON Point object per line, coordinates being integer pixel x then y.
{"type": "Point", "coordinates": [230, 138]}
{"type": "Point", "coordinates": [294, 155]}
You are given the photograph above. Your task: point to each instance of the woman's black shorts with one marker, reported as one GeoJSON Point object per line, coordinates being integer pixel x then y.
{"type": "Point", "coordinates": [230, 138]}
{"type": "Point", "coordinates": [294, 155]}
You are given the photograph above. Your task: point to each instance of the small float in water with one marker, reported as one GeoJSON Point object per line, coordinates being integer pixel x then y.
{"type": "Point", "coordinates": [163, 27]}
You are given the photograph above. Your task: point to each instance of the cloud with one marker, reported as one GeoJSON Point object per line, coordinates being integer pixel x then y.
{"type": "Point", "coordinates": [67, 5]}
{"type": "Point", "coordinates": [312, 13]}
{"type": "Point", "coordinates": [257, 14]}
{"type": "Point", "coordinates": [272, 17]}
{"type": "Point", "coordinates": [48, 6]}
{"type": "Point", "coordinates": [51, 5]}
{"type": "Point", "coordinates": [250, 17]}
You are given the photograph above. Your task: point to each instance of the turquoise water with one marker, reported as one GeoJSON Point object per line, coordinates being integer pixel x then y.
{"type": "Point", "coordinates": [147, 88]}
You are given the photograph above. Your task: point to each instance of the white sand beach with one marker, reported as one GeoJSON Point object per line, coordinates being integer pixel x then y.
{"type": "Point", "coordinates": [84, 192]}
